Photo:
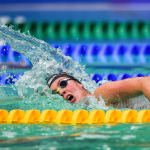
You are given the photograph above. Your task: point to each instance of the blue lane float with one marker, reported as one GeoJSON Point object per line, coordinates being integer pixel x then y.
{"type": "Point", "coordinates": [80, 52]}
{"type": "Point", "coordinates": [68, 50]}
{"type": "Point", "coordinates": [119, 54]}
{"type": "Point", "coordinates": [109, 77]}
{"type": "Point", "coordinates": [137, 75]}
{"type": "Point", "coordinates": [145, 50]}
{"type": "Point", "coordinates": [121, 50]}
{"type": "Point", "coordinates": [144, 54]}
{"type": "Point", "coordinates": [109, 50]}
{"type": "Point", "coordinates": [5, 53]}
{"type": "Point", "coordinates": [92, 52]}
{"type": "Point", "coordinates": [56, 46]}
{"type": "Point", "coordinates": [95, 49]}
{"type": "Point", "coordinates": [97, 77]}
{"type": "Point", "coordinates": [107, 53]}
{"type": "Point", "coordinates": [123, 76]}
{"type": "Point", "coordinates": [17, 56]}
{"type": "Point", "coordinates": [134, 50]}
{"type": "Point", "coordinates": [12, 57]}
{"type": "Point", "coordinates": [10, 78]}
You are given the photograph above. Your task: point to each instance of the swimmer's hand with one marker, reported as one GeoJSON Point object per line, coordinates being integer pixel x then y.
{"type": "Point", "coordinates": [115, 91]}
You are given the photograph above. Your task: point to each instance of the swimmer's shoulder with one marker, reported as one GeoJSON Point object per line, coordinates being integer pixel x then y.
{"type": "Point", "coordinates": [107, 92]}
{"type": "Point", "coordinates": [101, 90]}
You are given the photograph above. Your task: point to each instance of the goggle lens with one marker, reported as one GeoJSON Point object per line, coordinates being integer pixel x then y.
{"type": "Point", "coordinates": [63, 83]}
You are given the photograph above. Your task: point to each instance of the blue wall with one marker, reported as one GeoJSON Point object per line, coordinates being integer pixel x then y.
{"type": "Point", "coordinates": [51, 1]}
{"type": "Point", "coordinates": [73, 1]}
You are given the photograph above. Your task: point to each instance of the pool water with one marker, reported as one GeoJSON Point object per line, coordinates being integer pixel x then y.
{"type": "Point", "coordinates": [30, 92]}
{"type": "Point", "coordinates": [54, 136]}
{"type": "Point", "coordinates": [63, 136]}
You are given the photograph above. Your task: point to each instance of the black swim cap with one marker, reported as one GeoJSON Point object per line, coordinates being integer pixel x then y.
{"type": "Point", "coordinates": [56, 76]}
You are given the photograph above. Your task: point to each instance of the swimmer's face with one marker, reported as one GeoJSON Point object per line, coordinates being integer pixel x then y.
{"type": "Point", "coordinates": [73, 92]}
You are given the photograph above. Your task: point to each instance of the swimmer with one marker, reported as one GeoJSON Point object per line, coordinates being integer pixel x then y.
{"type": "Point", "coordinates": [112, 92]}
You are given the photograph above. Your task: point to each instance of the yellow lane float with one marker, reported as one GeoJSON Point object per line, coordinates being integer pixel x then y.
{"type": "Point", "coordinates": [96, 117]}
{"type": "Point", "coordinates": [63, 117]}
{"type": "Point", "coordinates": [75, 118]}
{"type": "Point", "coordinates": [3, 115]}
{"type": "Point", "coordinates": [48, 116]}
{"type": "Point", "coordinates": [31, 116]}
{"type": "Point", "coordinates": [79, 117]}
{"type": "Point", "coordinates": [16, 116]}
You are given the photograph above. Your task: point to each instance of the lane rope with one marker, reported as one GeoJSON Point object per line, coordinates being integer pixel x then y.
{"type": "Point", "coordinates": [74, 118]}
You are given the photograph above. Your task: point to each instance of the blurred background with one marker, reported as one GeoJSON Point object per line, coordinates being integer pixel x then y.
{"type": "Point", "coordinates": [110, 37]}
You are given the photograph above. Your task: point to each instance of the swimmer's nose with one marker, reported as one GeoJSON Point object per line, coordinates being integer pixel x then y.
{"type": "Point", "coordinates": [62, 92]}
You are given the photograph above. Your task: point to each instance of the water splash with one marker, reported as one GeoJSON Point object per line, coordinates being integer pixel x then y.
{"type": "Point", "coordinates": [31, 91]}
{"type": "Point", "coordinates": [46, 60]}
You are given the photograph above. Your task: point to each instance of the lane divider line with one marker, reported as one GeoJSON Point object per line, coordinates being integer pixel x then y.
{"type": "Point", "coordinates": [77, 117]}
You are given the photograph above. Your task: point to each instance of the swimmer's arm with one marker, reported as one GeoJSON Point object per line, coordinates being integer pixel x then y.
{"type": "Point", "coordinates": [115, 91]}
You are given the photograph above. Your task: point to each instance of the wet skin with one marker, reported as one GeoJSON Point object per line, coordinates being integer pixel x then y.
{"type": "Point", "coordinates": [111, 92]}
{"type": "Point", "coordinates": [73, 89]}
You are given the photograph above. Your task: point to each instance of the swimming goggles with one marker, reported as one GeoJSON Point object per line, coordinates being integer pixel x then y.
{"type": "Point", "coordinates": [63, 83]}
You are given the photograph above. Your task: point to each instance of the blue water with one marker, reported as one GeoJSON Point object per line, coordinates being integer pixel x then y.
{"type": "Point", "coordinates": [31, 92]}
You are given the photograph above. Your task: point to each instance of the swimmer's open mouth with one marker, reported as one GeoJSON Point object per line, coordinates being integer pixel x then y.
{"type": "Point", "coordinates": [70, 98]}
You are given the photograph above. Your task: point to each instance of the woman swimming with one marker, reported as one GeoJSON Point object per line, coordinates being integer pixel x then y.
{"type": "Point", "coordinates": [112, 92]}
